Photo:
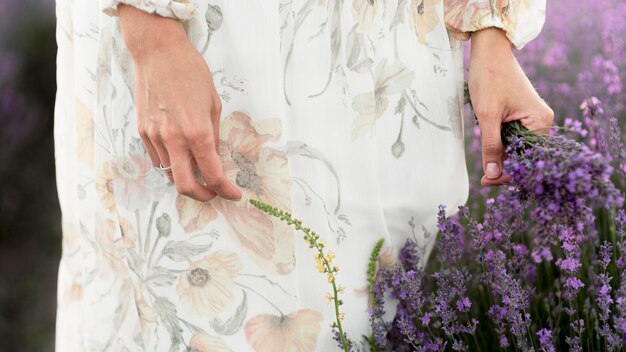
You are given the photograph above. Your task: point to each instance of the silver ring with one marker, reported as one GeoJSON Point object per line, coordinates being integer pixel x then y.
{"type": "Point", "coordinates": [165, 168]}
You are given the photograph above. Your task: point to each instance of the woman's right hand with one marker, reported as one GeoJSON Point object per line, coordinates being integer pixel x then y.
{"type": "Point", "coordinates": [178, 108]}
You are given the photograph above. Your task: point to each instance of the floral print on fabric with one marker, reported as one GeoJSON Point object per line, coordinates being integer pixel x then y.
{"type": "Point", "coordinates": [346, 113]}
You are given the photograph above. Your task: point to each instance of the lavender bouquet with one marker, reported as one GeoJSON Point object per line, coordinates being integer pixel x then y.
{"type": "Point", "coordinates": [542, 269]}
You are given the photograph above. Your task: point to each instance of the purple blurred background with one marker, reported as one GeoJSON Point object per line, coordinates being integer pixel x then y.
{"type": "Point", "coordinates": [581, 52]}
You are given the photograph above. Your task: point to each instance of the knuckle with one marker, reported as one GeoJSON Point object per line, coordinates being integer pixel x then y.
{"type": "Point", "coordinates": [214, 180]}
{"type": "Point", "coordinates": [184, 189]}
{"type": "Point", "coordinates": [143, 131]}
{"type": "Point", "coordinates": [152, 133]}
{"type": "Point", "coordinates": [492, 147]}
{"type": "Point", "coordinates": [169, 133]}
{"type": "Point", "coordinates": [195, 135]}
{"type": "Point", "coordinates": [483, 112]}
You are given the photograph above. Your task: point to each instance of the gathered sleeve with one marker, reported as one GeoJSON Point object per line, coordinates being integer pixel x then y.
{"type": "Point", "coordinates": [177, 9]}
{"type": "Point", "coordinates": [521, 20]}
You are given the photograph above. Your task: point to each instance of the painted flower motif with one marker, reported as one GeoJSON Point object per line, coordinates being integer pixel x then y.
{"type": "Point", "coordinates": [73, 292]}
{"type": "Point", "coordinates": [206, 343]}
{"type": "Point", "coordinates": [135, 182]}
{"type": "Point", "coordinates": [364, 14]}
{"type": "Point", "coordinates": [296, 332]}
{"type": "Point", "coordinates": [260, 172]}
{"type": "Point", "coordinates": [147, 314]}
{"type": "Point", "coordinates": [206, 289]}
{"type": "Point", "coordinates": [455, 12]}
{"type": "Point", "coordinates": [130, 181]}
{"type": "Point", "coordinates": [424, 17]}
{"type": "Point", "coordinates": [129, 232]}
{"type": "Point", "coordinates": [194, 215]}
{"type": "Point", "coordinates": [389, 79]}
{"type": "Point", "coordinates": [104, 187]}
{"type": "Point", "coordinates": [109, 249]}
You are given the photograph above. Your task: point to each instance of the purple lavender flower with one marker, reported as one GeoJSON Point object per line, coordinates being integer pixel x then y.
{"type": "Point", "coordinates": [536, 266]}
{"type": "Point", "coordinates": [545, 340]}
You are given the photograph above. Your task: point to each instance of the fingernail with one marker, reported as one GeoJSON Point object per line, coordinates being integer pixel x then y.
{"type": "Point", "coordinates": [492, 170]}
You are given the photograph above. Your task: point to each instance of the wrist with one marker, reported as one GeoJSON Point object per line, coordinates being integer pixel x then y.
{"type": "Point", "coordinates": [146, 33]}
{"type": "Point", "coordinates": [490, 44]}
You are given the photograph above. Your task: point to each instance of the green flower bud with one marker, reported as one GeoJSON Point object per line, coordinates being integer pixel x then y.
{"type": "Point", "coordinates": [164, 225]}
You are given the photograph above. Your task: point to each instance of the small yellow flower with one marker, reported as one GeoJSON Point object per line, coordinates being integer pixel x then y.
{"type": "Point", "coordinates": [319, 263]}
{"type": "Point", "coordinates": [329, 297]}
{"type": "Point", "coordinates": [331, 277]}
{"type": "Point", "coordinates": [330, 256]}
{"type": "Point", "coordinates": [341, 315]}
{"type": "Point", "coordinates": [341, 289]}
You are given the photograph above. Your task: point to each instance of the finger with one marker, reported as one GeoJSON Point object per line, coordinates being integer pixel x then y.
{"type": "Point", "coordinates": [210, 165]}
{"type": "Point", "coordinates": [541, 125]}
{"type": "Point", "coordinates": [154, 156]}
{"type": "Point", "coordinates": [500, 181]}
{"type": "Point", "coordinates": [163, 155]}
{"type": "Point", "coordinates": [184, 178]}
{"type": "Point", "coordinates": [492, 148]}
{"type": "Point", "coordinates": [515, 116]}
{"type": "Point", "coordinates": [215, 117]}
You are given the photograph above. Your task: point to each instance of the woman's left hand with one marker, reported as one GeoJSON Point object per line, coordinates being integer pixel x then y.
{"type": "Point", "coordinates": [501, 92]}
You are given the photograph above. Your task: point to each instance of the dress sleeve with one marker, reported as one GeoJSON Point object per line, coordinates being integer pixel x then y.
{"type": "Point", "coordinates": [522, 20]}
{"type": "Point", "coordinates": [177, 9]}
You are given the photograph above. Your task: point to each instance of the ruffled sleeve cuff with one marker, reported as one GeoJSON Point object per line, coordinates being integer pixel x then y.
{"type": "Point", "coordinates": [522, 20]}
{"type": "Point", "coordinates": [177, 9]}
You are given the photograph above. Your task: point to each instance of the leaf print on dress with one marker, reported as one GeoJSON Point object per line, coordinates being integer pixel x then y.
{"type": "Point", "coordinates": [335, 43]}
{"type": "Point", "coordinates": [147, 314]}
{"type": "Point", "coordinates": [260, 172]}
{"type": "Point", "coordinates": [359, 52]}
{"type": "Point", "coordinates": [206, 289]}
{"type": "Point", "coordinates": [335, 219]}
{"type": "Point", "coordinates": [389, 79]}
{"type": "Point", "coordinates": [295, 332]}
{"type": "Point", "coordinates": [454, 113]}
{"type": "Point", "coordinates": [364, 13]}
{"type": "Point", "coordinates": [296, 25]}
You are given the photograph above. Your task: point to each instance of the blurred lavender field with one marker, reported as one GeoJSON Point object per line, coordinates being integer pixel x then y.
{"type": "Point", "coordinates": [580, 53]}
{"type": "Point", "coordinates": [29, 214]}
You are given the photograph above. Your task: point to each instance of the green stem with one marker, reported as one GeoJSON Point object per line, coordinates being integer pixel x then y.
{"type": "Point", "coordinates": [312, 239]}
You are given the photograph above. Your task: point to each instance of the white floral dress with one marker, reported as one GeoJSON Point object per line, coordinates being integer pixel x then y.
{"type": "Point", "coordinates": [346, 113]}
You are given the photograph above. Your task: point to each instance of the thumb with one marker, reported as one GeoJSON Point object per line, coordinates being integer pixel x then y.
{"type": "Point", "coordinates": [492, 148]}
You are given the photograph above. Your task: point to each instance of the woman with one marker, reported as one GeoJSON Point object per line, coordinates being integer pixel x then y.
{"type": "Point", "coordinates": [171, 115]}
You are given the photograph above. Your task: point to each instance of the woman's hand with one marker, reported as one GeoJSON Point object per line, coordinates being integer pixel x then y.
{"type": "Point", "coordinates": [178, 108]}
{"type": "Point", "coordinates": [501, 92]}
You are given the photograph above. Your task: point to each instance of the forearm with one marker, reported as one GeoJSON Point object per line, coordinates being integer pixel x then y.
{"type": "Point", "coordinates": [145, 33]}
